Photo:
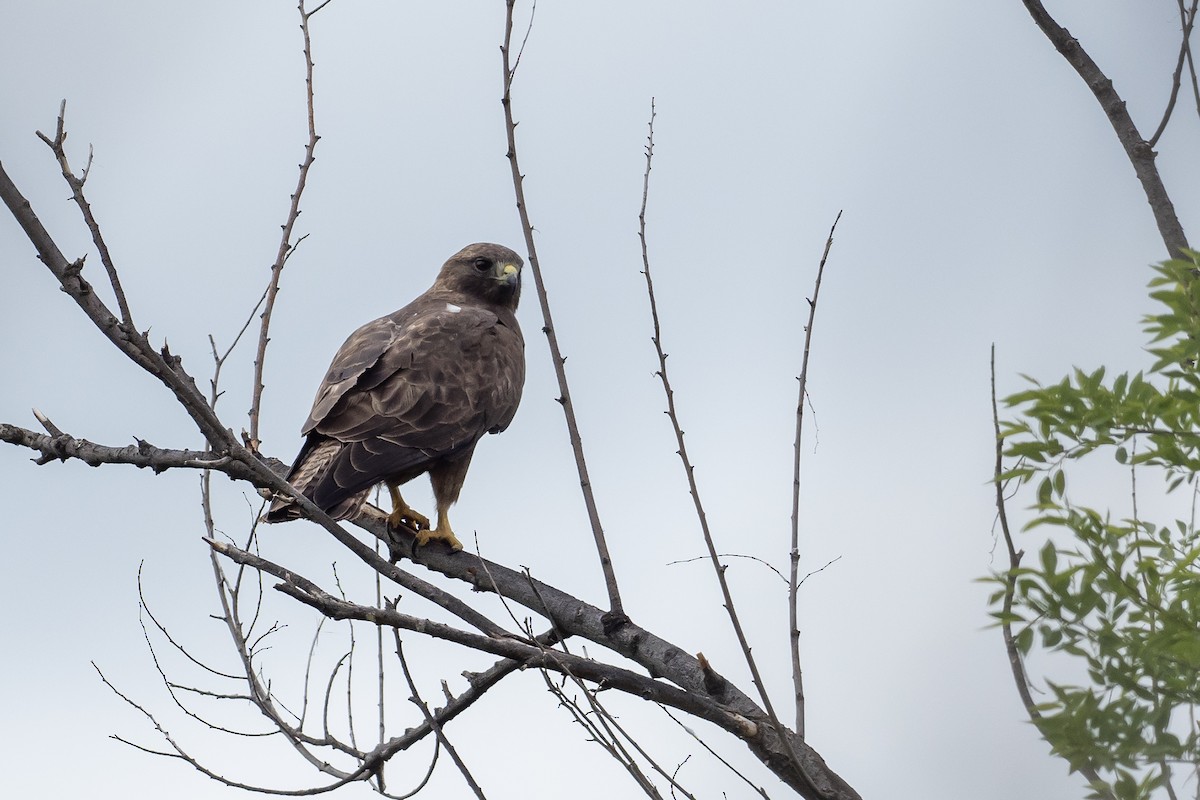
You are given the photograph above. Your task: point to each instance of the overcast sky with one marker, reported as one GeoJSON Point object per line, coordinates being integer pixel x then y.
{"type": "Point", "coordinates": [985, 200]}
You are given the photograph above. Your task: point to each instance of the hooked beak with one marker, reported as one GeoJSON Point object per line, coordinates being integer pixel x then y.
{"type": "Point", "coordinates": [509, 274]}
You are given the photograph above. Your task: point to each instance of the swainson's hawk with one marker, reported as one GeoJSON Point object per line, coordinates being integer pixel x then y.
{"type": "Point", "coordinates": [413, 392]}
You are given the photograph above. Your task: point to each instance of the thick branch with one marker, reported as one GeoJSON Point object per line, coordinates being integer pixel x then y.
{"type": "Point", "coordinates": [660, 658]}
{"type": "Point", "coordinates": [142, 455]}
{"type": "Point", "coordinates": [162, 365]}
{"type": "Point", "coordinates": [608, 675]}
{"type": "Point", "coordinates": [1140, 153]}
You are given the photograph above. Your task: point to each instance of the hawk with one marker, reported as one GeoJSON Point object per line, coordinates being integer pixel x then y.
{"type": "Point", "coordinates": [414, 392]}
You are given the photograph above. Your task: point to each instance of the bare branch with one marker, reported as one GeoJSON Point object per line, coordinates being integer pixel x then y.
{"type": "Point", "coordinates": [1016, 663]}
{"type": "Point", "coordinates": [659, 657]}
{"type": "Point", "coordinates": [1186, 20]}
{"type": "Point", "coordinates": [163, 365]}
{"type": "Point", "coordinates": [794, 553]}
{"type": "Point", "coordinates": [286, 246]}
{"type": "Point", "coordinates": [1138, 150]}
{"type": "Point", "coordinates": [430, 719]}
{"type": "Point", "coordinates": [76, 184]}
{"type": "Point", "coordinates": [625, 680]}
{"type": "Point", "coordinates": [143, 455]}
{"type": "Point", "coordinates": [182, 754]}
{"type": "Point", "coordinates": [689, 470]}
{"type": "Point", "coordinates": [765, 563]}
{"type": "Point", "coordinates": [761, 791]}
{"type": "Point", "coordinates": [617, 613]}
{"type": "Point", "coordinates": [596, 723]}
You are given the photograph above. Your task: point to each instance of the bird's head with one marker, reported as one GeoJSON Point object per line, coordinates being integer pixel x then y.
{"type": "Point", "coordinates": [487, 272]}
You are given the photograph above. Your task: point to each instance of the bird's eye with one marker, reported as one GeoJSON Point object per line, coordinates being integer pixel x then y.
{"type": "Point", "coordinates": [482, 264]}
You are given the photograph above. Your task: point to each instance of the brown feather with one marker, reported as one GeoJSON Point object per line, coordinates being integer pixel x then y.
{"type": "Point", "coordinates": [414, 391]}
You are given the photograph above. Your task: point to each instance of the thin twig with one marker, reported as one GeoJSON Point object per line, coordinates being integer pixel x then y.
{"type": "Point", "coordinates": [76, 184]}
{"type": "Point", "coordinates": [286, 246]}
{"type": "Point", "coordinates": [379, 684]}
{"type": "Point", "coordinates": [1188, 18]}
{"type": "Point", "coordinates": [616, 611]}
{"type": "Point", "coordinates": [430, 718]}
{"type": "Point", "coordinates": [183, 755]}
{"type": "Point", "coordinates": [765, 563]}
{"type": "Point", "coordinates": [1016, 663]}
{"type": "Point", "coordinates": [1186, 21]}
{"type": "Point", "coordinates": [690, 732]}
{"type": "Point", "coordinates": [794, 552]}
{"type": "Point", "coordinates": [689, 470]}
{"type": "Point", "coordinates": [597, 725]}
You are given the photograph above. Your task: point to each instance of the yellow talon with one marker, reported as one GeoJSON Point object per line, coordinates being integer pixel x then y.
{"type": "Point", "coordinates": [443, 532]}
{"type": "Point", "coordinates": [403, 515]}
{"type": "Point", "coordinates": [425, 537]}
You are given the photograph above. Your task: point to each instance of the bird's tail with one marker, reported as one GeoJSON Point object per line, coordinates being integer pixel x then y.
{"type": "Point", "coordinates": [310, 467]}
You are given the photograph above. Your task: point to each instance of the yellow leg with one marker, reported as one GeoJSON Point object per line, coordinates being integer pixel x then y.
{"type": "Point", "coordinates": [403, 514]}
{"type": "Point", "coordinates": [443, 532]}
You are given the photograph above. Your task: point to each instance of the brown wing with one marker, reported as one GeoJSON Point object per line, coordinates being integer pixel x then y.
{"type": "Point", "coordinates": [404, 394]}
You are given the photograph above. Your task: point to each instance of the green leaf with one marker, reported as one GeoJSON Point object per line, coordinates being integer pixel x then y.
{"type": "Point", "coordinates": [1045, 492]}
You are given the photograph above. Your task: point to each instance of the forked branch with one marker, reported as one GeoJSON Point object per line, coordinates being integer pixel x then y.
{"type": "Point", "coordinates": [1139, 152]}
{"type": "Point", "coordinates": [689, 473]}
{"type": "Point", "coordinates": [76, 182]}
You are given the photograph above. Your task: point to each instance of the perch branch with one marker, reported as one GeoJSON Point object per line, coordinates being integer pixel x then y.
{"type": "Point", "coordinates": [735, 711]}
{"type": "Point", "coordinates": [309, 593]}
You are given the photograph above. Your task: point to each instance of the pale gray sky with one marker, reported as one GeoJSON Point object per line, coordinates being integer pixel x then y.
{"type": "Point", "coordinates": [986, 200]}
